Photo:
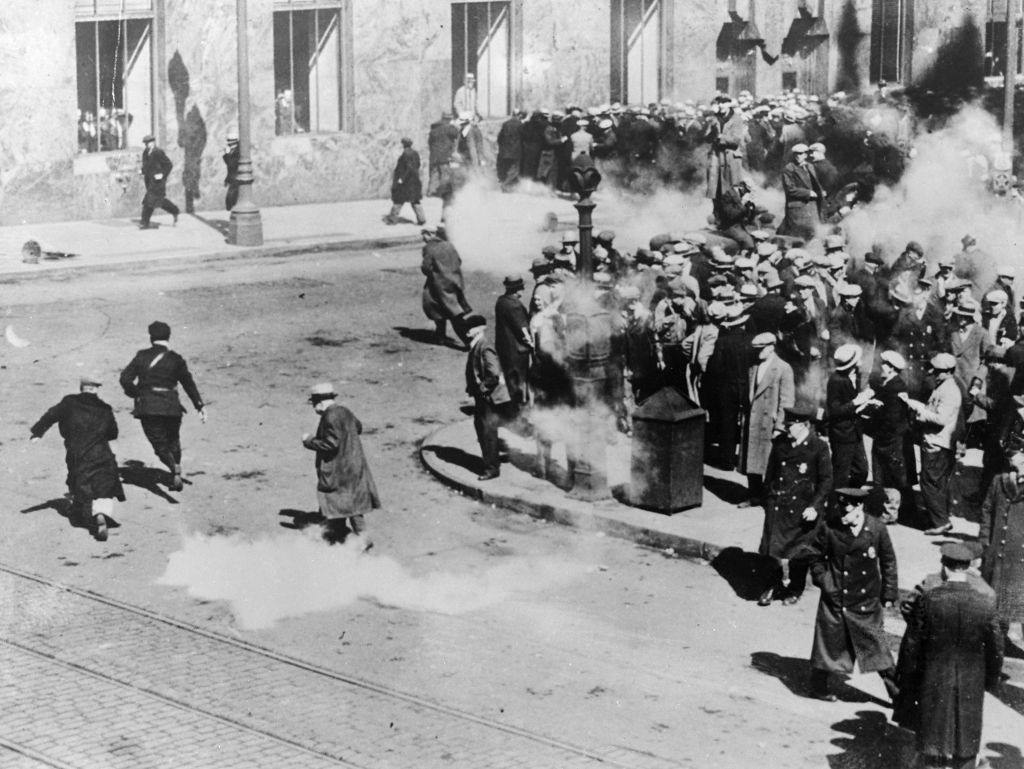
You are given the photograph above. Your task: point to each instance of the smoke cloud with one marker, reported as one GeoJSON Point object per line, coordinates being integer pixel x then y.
{"type": "Point", "coordinates": [284, 575]}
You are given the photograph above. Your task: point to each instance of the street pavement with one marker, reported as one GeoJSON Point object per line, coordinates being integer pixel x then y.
{"type": "Point", "coordinates": [477, 637]}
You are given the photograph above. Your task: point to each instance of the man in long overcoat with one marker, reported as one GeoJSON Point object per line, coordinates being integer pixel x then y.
{"type": "Point", "coordinates": [510, 151]}
{"type": "Point", "coordinates": [443, 297]}
{"type": "Point", "coordinates": [406, 186]}
{"type": "Point", "coordinates": [727, 135]}
{"type": "Point", "coordinates": [952, 652]}
{"type": "Point", "coordinates": [797, 482]}
{"type": "Point", "coordinates": [151, 379]}
{"type": "Point", "coordinates": [87, 425]}
{"type": "Point", "coordinates": [854, 564]}
{"type": "Point", "coordinates": [513, 341]}
{"type": "Point", "coordinates": [345, 489]}
{"type": "Point", "coordinates": [844, 401]}
{"type": "Point", "coordinates": [893, 464]}
{"type": "Point", "coordinates": [486, 386]}
{"type": "Point", "coordinates": [803, 197]}
{"type": "Point", "coordinates": [725, 388]}
{"type": "Point", "coordinates": [156, 167]}
{"type": "Point", "coordinates": [771, 393]}
{"type": "Point", "coordinates": [1002, 534]}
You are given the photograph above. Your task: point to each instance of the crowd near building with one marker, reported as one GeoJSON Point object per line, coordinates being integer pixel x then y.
{"type": "Point", "coordinates": [336, 83]}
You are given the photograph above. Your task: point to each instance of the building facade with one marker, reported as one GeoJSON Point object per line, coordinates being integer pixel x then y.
{"type": "Point", "coordinates": [334, 84]}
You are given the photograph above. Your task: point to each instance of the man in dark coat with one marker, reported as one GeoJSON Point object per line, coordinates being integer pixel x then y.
{"type": "Point", "coordinates": [844, 401]}
{"type": "Point", "coordinates": [87, 425]}
{"type": "Point", "coordinates": [443, 297]}
{"type": "Point", "coordinates": [854, 564]}
{"type": "Point", "coordinates": [406, 186]}
{"type": "Point", "coordinates": [156, 167]}
{"type": "Point", "coordinates": [803, 197]}
{"type": "Point", "coordinates": [152, 378]}
{"type": "Point", "coordinates": [736, 214]}
{"type": "Point", "coordinates": [486, 386]}
{"type": "Point", "coordinates": [345, 489]}
{"type": "Point", "coordinates": [953, 651]}
{"type": "Point", "coordinates": [510, 151]}
{"type": "Point", "coordinates": [726, 384]}
{"type": "Point", "coordinates": [796, 485]}
{"type": "Point", "coordinates": [442, 140]}
{"type": "Point", "coordinates": [231, 157]}
{"type": "Point", "coordinates": [893, 464]}
{"type": "Point", "coordinates": [513, 341]}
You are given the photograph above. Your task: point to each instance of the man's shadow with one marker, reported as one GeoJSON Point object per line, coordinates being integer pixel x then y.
{"type": "Point", "coordinates": [748, 574]}
{"type": "Point", "coordinates": [63, 507]}
{"type": "Point", "coordinates": [222, 226]}
{"type": "Point", "coordinates": [300, 519]}
{"type": "Point", "coordinates": [135, 473]}
{"type": "Point", "coordinates": [725, 490]}
{"type": "Point", "coordinates": [869, 739]}
{"type": "Point", "coordinates": [456, 456]}
{"type": "Point", "coordinates": [1009, 756]}
{"type": "Point", "coordinates": [795, 674]}
{"type": "Point", "coordinates": [426, 336]}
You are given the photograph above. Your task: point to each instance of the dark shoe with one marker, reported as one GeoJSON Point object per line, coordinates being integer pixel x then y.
{"type": "Point", "coordinates": [939, 530]}
{"type": "Point", "coordinates": [177, 484]}
{"type": "Point", "coordinates": [174, 220]}
{"type": "Point", "coordinates": [766, 597]}
{"type": "Point", "coordinates": [749, 503]}
{"type": "Point", "coordinates": [488, 476]}
{"type": "Point", "coordinates": [389, 221]}
{"type": "Point", "coordinates": [147, 226]}
{"type": "Point", "coordinates": [99, 523]}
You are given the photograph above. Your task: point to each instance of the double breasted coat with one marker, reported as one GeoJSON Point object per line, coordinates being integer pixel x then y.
{"type": "Point", "coordinates": [344, 484]}
{"type": "Point", "coordinates": [87, 424]}
{"type": "Point", "coordinates": [803, 201]}
{"type": "Point", "coordinates": [443, 297]}
{"type": "Point", "coordinates": [797, 477]}
{"type": "Point", "coordinates": [769, 397]}
{"type": "Point", "coordinates": [856, 575]}
{"type": "Point", "coordinates": [1002, 533]}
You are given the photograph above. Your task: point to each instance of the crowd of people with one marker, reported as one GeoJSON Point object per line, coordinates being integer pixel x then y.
{"type": "Point", "coordinates": [103, 132]}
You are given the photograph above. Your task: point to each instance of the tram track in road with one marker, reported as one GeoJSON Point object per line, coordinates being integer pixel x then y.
{"type": "Point", "coordinates": [105, 628]}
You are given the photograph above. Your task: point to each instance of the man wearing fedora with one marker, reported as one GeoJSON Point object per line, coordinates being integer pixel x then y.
{"type": "Point", "coordinates": [156, 167]}
{"type": "Point", "coordinates": [804, 196]}
{"type": "Point", "coordinates": [87, 425]}
{"type": "Point", "coordinates": [151, 379]}
{"type": "Point", "coordinates": [443, 296]}
{"type": "Point", "coordinates": [513, 341]}
{"type": "Point", "coordinates": [345, 490]}
{"type": "Point", "coordinates": [485, 384]}
{"type": "Point", "coordinates": [845, 399]}
{"type": "Point", "coordinates": [893, 464]}
{"type": "Point", "coordinates": [772, 391]}
{"type": "Point", "coordinates": [231, 157]}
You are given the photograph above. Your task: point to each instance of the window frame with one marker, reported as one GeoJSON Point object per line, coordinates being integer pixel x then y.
{"type": "Point", "coordinates": [459, 72]}
{"type": "Point", "coordinates": [877, 58]}
{"type": "Point", "coordinates": [619, 49]}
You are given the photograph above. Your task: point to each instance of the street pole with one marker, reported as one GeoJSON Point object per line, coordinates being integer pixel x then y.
{"type": "Point", "coordinates": [246, 228]}
{"type": "Point", "coordinates": [585, 259]}
{"type": "Point", "coordinates": [1009, 74]}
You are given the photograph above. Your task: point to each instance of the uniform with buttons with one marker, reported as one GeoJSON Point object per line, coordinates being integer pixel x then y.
{"type": "Point", "coordinates": [1002, 533]}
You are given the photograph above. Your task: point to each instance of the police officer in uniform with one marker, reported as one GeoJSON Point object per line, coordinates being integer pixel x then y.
{"type": "Point", "coordinates": [152, 379]}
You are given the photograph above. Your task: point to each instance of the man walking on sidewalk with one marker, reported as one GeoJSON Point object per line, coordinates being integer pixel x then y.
{"type": "Point", "coordinates": [156, 167]}
{"type": "Point", "coordinates": [152, 379]}
{"type": "Point", "coordinates": [87, 425]}
{"type": "Point", "coordinates": [486, 386]}
{"type": "Point", "coordinates": [406, 186]}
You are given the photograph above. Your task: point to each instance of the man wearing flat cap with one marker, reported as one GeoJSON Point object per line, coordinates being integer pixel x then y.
{"type": "Point", "coordinates": [443, 296]}
{"type": "Point", "coordinates": [804, 196]}
{"type": "Point", "coordinates": [854, 564]}
{"type": "Point", "coordinates": [156, 167]}
{"type": "Point", "coordinates": [939, 420]}
{"type": "Point", "coordinates": [345, 490]}
{"type": "Point", "coordinates": [151, 379]}
{"type": "Point", "coordinates": [951, 654]}
{"type": "Point", "coordinates": [87, 425]}
{"type": "Point", "coordinates": [797, 482]}
{"type": "Point", "coordinates": [911, 261]}
{"type": "Point", "coordinates": [772, 391]}
{"type": "Point", "coordinates": [485, 384]}
{"type": "Point", "coordinates": [513, 341]}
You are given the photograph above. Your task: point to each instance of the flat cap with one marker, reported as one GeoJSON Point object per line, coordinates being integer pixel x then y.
{"type": "Point", "coordinates": [851, 493]}
{"type": "Point", "coordinates": [833, 242]}
{"type": "Point", "coordinates": [915, 248]}
{"type": "Point", "coordinates": [894, 359]}
{"type": "Point", "coordinates": [629, 292]}
{"type": "Point", "coordinates": [606, 236]}
{"type": "Point", "coordinates": [800, 412]}
{"type": "Point", "coordinates": [850, 290]}
{"type": "Point", "coordinates": [472, 321]}
{"type": "Point", "coordinates": [160, 331]}
{"type": "Point", "coordinates": [996, 297]}
{"type": "Point", "coordinates": [956, 552]}
{"type": "Point", "coordinates": [549, 251]}
{"type": "Point", "coordinates": [942, 361]}
{"type": "Point", "coordinates": [513, 282]}
{"type": "Point", "coordinates": [804, 281]}
{"type": "Point", "coordinates": [766, 248]}
{"type": "Point", "coordinates": [764, 339]}
{"type": "Point", "coordinates": [947, 261]}
{"type": "Point", "coordinates": [798, 148]}
{"type": "Point", "coordinates": [89, 380]}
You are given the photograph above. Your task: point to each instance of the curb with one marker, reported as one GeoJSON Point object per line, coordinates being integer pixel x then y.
{"type": "Point", "coordinates": [573, 513]}
{"type": "Point", "coordinates": [240, 252]}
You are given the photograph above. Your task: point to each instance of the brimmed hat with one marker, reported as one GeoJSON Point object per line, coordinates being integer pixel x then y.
{"type": "Point", "coordinates": [684, 248]}
{"type": "Point", "coordinates": [798, 148]}
{"type": "Point", "coordinates": [745, 263]}
{"type": "Point", "coordinates": [872, 258]}
{"type": "Point", "coordinates": [764, 339]}
{"type": "Point", "coordinates": [148, 138]}
{"type": "Point", "coordinates": [540, 264]}
{"type": "Point", "coordinates": [899, 293]}
{"type": "Point", "coordinates": [853, 494]}
{"type": "Point", "coordinates": [997, 297]}
{"type": "Point", "coordinates": [760, 235]}
{"type": "Point", "coordinates": [942, 361]}
{"type": "Point", "coordinates": [967, 306]}
{"type": "Point", "coordinates": [549, 251]}
{"type": "Point", "coordinates": [474, 321]}
{"type": "Point", "coordinates": [513, 283]}
{"type": "Point", "coordinates": [321, 391]}
{"type": "Point", "coordinates": [697, 238]}
{"type": "Point", "coordinates": [721, 260]}
{"type": "Point", "coordinates": [570, 237]}
{"type": "Point", "coordinates": [774, 281]}
{"type": "Point", "coordinates": [894, 359]}
{"type": "Point", "coordinates": [748, 292]}
{"type": "Point", "coordinates": [834, 242]}
{"type": "Point", "coordinates": [1005, 271]}
{"type": "Point", "coordinates": [804, 281]}
{"type": "Point", "coordinates": [89, 380]}
{"type": "Point", "coordinates": [968, 240]}
{"type": "Point", "coordinates": [846, 356]}
{"type": "Point", "coordinates": [947, 261]}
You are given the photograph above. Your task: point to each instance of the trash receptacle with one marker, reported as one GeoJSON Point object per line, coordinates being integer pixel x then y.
{"type": "Point", "coordinates": [667, 464]}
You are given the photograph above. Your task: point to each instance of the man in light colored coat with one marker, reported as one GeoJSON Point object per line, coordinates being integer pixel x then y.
{"type": "Point", "coordinates": [772, 391]}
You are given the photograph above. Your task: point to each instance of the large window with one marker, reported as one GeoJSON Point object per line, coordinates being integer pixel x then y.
{"type": "Point", "coordinates": [309, 51]}
{"type": "Point", "coordinates": [888, 32]}
{"type": "Point", "coordinates": [636, 51]}
{"type": "Point", "coordinates": [481, 42]}
{"type": "Point", "coordinates": [114, 71]}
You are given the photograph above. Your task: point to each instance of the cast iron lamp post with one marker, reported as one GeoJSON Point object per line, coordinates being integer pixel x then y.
{"type": "Point", "coordinates": [246, 227]}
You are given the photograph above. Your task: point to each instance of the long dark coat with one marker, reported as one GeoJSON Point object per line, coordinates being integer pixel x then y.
{"type": "Point", "coordinates": [344, 485]}
{"type": "Point", "coordinates": [797, 477]}
{"type": "Point", "coordinates": [510, 139]}
{"type": "Point", "coordinates": [87, 424]}
{"type": "Point", "coordinates": [510, 318]}
{"type": "Point", "coordinates": [406, 186]}
{"type": "Point", "coordinates": [952, 652]}
{"type": "Point", "coordinates": [1002, 533]}
{"type": "Point", "coordinates": [155, 163]}
{"type": "Point", "coordinates": [443, 297]}
{"type": "Point", "coordinates": [856, 576]}
{"type": "Point", "coordinates": [803, 212]}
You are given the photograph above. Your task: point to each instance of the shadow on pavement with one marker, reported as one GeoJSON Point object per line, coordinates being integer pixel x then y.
{"type": "Point", "coordinates": [748, 574]}
{"type": "Point", "coordinates": [869, 739]}
{"type": "Point", "coordinates": [219, 225]}
{"type": "Point", "coordinates": [1009, 756]}
{"type": "Point", "coordinates": [63, 507]}
{"type": "Point", "coordinates": [725, 490]}
{"type": "Point", "coordinates": [795, 674]}
{"type": "Point", "coordinates": [135, 473]}
{"type": "Point", "coordinates": [456, 456]}
{"type": "Point", "coordinates": [300, 519]}
{"type": "Point", "coordinates": [428, 336]}
{"type": "Point", "coordinates": [1012, 697]}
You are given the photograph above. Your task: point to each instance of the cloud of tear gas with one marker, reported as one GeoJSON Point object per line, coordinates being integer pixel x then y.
{"type": "Point", "coordinates": [942, 196]}
{"type": "Point", "coordinates": [281, 576]}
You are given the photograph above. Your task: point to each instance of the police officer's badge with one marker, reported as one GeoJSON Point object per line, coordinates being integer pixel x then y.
{"type": "Point", "coordinates": [871, 551]}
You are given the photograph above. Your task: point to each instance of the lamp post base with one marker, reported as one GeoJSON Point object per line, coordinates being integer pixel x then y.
{"type": "Point", "coordinates": [245, 228]}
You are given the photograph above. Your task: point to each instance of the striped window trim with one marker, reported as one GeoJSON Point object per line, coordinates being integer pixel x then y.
{"type": "Point", "coordinates": [99, 10]}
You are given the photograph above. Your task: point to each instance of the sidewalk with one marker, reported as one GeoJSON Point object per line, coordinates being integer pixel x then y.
{"type": "Point", "coordinates": [100, 244]}
{"type": "Point", "coordinates": [452, 454]}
